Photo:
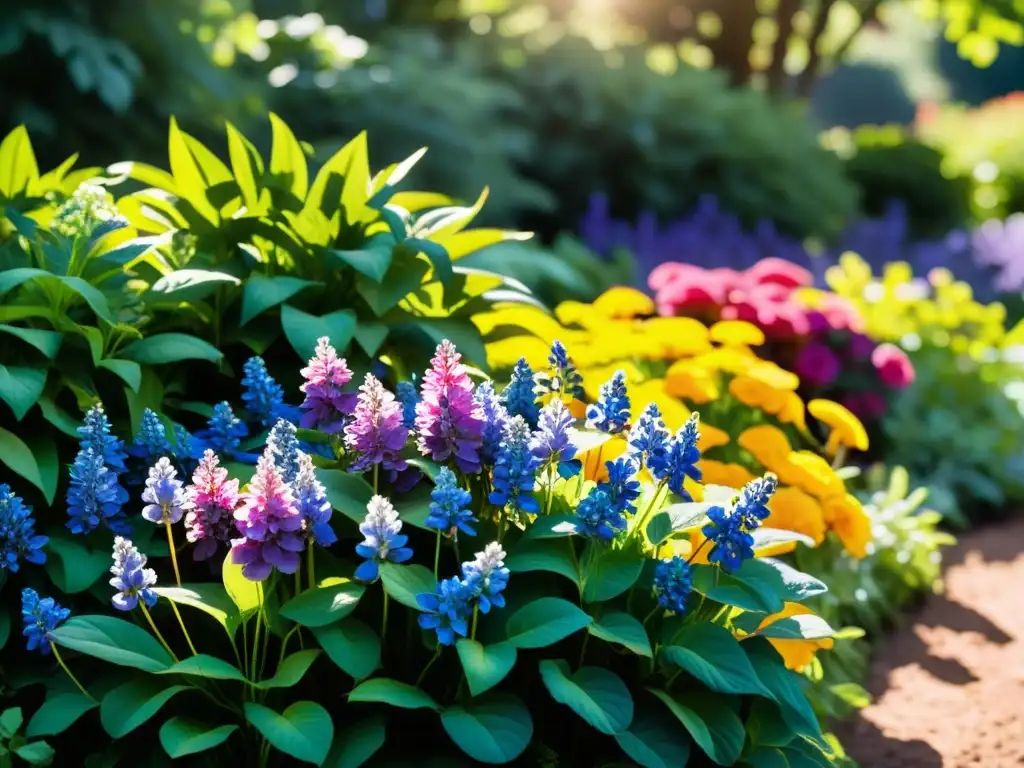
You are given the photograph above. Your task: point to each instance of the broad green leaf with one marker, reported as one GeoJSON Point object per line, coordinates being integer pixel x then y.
{"type": "Point", "coordinates": [712, 723]}
{"type": "Point", "coordinates": [852, 693]}
{"type": "Point", "coordinates": [262, 293]}
{"type": "Point", "coordinates": [352, 645]}
{"type": "Point", "coordinates": [287, 160]}
{"type": "Point", "coordinates": [58, 418]}
{"type": "Point", "coordinates": [783, 579]}
{"type": "Point", "coordinates": [245, 594]}
{"type": "Point", "coordinates": [355, 190]}
{"type": "Point", "coordinates": [47, 342]}
{"type": "Point", "coordinates": [304, 731]}
{"type": "Point", "coordinates": [689, 515]}
{"type": "Point", "coordinates": [17, 162]}
{"type": "Point", "coordinates": [188, 179]}
{"type": "Point", "coordinates": [544, 622]}
{"type": "Point", "coordinates": [753, 594]}
{"type": "Point", "coordinates": [19, 459]}
{"type": "Point", "coordinates": [659, 529]}
{"type": "Point", "coordinates": [128, 706]}
{"type": "Point", "coordinates": [464, 243]}
{"type": "Point", "coordinates": [302, 330]}
{"type": "Point", "coordinates": [438, 257]}
{"type": "Point", "coordinates": [610, 573]}
{"type": "Point", "coordinates": [12, 278]}
{"type": "Point", "coordinates": [149, 175]}
{"type": "Point", "coordinates": [189, 285]}
{"type": "Point", "coordinates": [653, 740]}
{"type": "Point", "coordinates": [357, 743]}
{"type": "Point", "coordinates": [624, 629]}
{"type": "Point", "coordinates": [596, 694]}
{"type": "Point", "coordinates": [765, 538]}
{"type": "Point", "coordinates": [247, 166]}
{"type": "Point", "coordinates": [405, 274]}
{"type": "Point", "coordinates": [551, 555]}
{"type": "Point", "coordinates": [714, 656]}
{"type": "Point", "coordinates": [347, 492]}
{"type": "Point", "coordinates": [370, 336]}
{"type": "Point", "coordinates": [397, 694]}
{"type": "Point", "coordinates": [784, 687]}
{"type": "Point", "coordinates": [551, 527]}
{"type": "Point", "coordinates": [36, 753]}
{"type": "Point", "coordinates": [485, 665]}
{"type": "Point", "coordinates": [126, 252]}
{"type": "Point", "coordinates": [10, 722]}
{"type": "Point", "coordinates": [73, 566]}
{"type": "Point", "coordinates": [404, 582]}
{"type": "Point", "coordinates": [129, 371]}
{"type": "Point", "coordinates": [162, 348]}
{"type": "Point", "coordinates": [203, 665]}
{"type": "Point", "coordinates": [45, 452]}
{"type": "Point", "coordinates": [210, 598]}
{"type": "Point", "coordinates": [58, 713]}
{"type": "Point", "coordinates": [182, 736]}
{"type": "Point", "coordinates": [495, 729]}
{"type": "Point", "coordinates": [767, 757]}
{"type": "Point", "coordinates": [326, 604]}
{"type": "Point", "coordinates": [113, 640]}
{"type": "Point", "coordinates": [291, 670]}
{"type": "Point", "coordinates": [372, 262]}
{"type": "Point", "coordinates": [20, 387]}
{"type": "Point", "coordinates": [803, 627]}
{"type": "Point", "coordinates": [448, 221]}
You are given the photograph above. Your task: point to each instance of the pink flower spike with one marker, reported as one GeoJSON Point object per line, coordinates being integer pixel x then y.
{"type": "Point", "coordinates": [210, 507]}
{"type": "Point", "coordinates": [270, 524]}
{"type": "Point", "coordinates": [376, 434]}
{"type": "Point", "coordinates": [448, 421]}
{"type": "Point", "coordinates": [326, 404]}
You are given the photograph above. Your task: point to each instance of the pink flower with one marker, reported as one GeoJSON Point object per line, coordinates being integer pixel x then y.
{"type": "Point", "coordinates": [210, 505]}
{"type": "Point", "coordinates": [270, 524]}
{"type": "Point", "coordinates": [893, 366]}
{"type": "Point", "coordinates": [326, 405]}
{"type": "Point", "coordinates": [376, 434]}
{"type": "Point", "coordinates": [448, 421]}
{"type": "Point", "coordinates": [816, 365]}
{"type": "Point", "coordinates": [779, 272]}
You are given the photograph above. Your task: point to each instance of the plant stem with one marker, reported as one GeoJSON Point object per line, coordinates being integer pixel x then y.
{"type": "Point", "coordinates": [256, 634]}
{"type": "Point", "coordinates": [583, 649]}
{"type": "Point", "coordinates": [691, 558]}
{"type": "Point", "coordinates": [298, 581]}
{"type": "Point", "coordinates": [455, 546]}
{"type": "Point", "coordinates": [437, 554]}
{"type": "Point", "coordinates": [384, 617]}
{"type": "Point", "coordinates": [152, 624]}
{"type": "Point", "coordinates": [56, 655]}
{"type": "Point", "coordinates": [476, 616]}
{"type": "Point", "coordinates": [654, 610]}
{"type": "Point", "coordinates": [376, 472]}
{"type": "Point", "coordinates": [184, 631]}
{"type": "Point", "coordinates": [550, 490]}
{"type": "Point", "coordinates": [643, 517]}
{"type": "Point", "coordinates": [284, 644]}
{"type": "Point", "coordinates": [310, 567]}
{"type": "Point", "coordinates": [435, 657]}
{"type": "Point", "coordinates": [170, 544]}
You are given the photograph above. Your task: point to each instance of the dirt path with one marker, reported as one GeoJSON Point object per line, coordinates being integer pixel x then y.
{"type": "Point", "coordinates": [949, 684]}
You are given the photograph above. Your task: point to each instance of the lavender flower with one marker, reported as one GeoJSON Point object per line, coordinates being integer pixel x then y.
{"type": "Point", "coordinates": [40, 618]}
{"type": "Point", "coordinates": [283, 449]}
{"type": "Point", "coordinates": [164, 497]}
{"type": "Point", "coordinates": [95, 434]}
{"type": "Point", "coordinates": [449, 506]}
{"type": "Point", "coordinates": [486, 577]}
{"type": "Point", "coordinates": [752, 505]}
{"type": "Point", "coordinates": [406, 394]}
{"type": "Point", "coordinates": [598, 516]}
{"type": "Point", "coordinates": [449, 423]}
{"type": "Point", "coordinates": [376, 434]}
{"type": "Point", "coordinates": [18, 538]}
{"type": "Point", "coordinates": [622, 486]}
{"type": "Point", "coordinates": [681, 459]}
{"type": "Point", "coordinates": [649, 439]}
{"type": "Point", "coordinates": [132, 579]}
{"type": "Point", "coordinates": [495, 418]}
{"type": "Point", "coordinates": [447, 611]}
{"type": "Point", "coordinates": [551, 444]}
{"type": "Point", "coordinates": [515, 471]}
{"type": "Point", "coordinates": [327, 404]}
{"type": "Point", "coordinates": [224, 433]}
{"type": "Point", "coordinates": [562, 378]}
{"type": "Point", "coordinates": [520, 397]}
{"type": "Point", "coordinates": [151, 440]}
{"type": "Point", "coordinates": [95, 496]}
{"type": "Point", "coordinates": [263, 396]}
{"type": "Point", "coordinates": [211, 503]}
{"type": "Point", "coordinates": [383, 540]}
{"type": "Point", "coordinates": [270, 524]}
{"type": "Point", "coordinates": [611, 411]}
{"type": "Point", "coordinates": [312, 503]}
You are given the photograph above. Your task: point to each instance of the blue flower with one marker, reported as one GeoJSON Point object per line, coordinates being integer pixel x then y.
{"type": "Point", "coordinates": [164, 496]}
{"type": "Point", "coordinates": [598, 517]}
{"type": "Point", "coordinates": [681, 460]}
{"type": "Point", "coordinates": [224, 433]}
{"type": "Point", "coordinates": [383, 540]}
{"type": "Point", "coordinates": [95, 432]}
{"type": "Point", "coordinates": [731, 545]}
{"type": "Point", "coordinates": [551, 444]}
{"type": "Point", "coordinates": [486, 577]}
{"type": "Point", "coordinates": [611, 411]}
{"type": "Point", "coordinates": [562, 378]}
{"type": "Point", "coordinates": [40, 618]}
{"type": "Point", "coordinates": [95, 496]}
{"type": "Point", "coordinates": [263, 396]}
{"type": "Point", "coordinates": [515, 471]}
{"type": "Point", "coordinates": [447, 611]}
{"type": "Point", "coordinates": [132, 579]}
{"type": "Point", "coordinates": [18, 537]}
{"type": "Point", "coordinates": [406, 394]}
{"type": "Point", "coordinates": [283, 449]}
{"type": "Point", "coordinates": [449, 506]}
{"type": "Point", "coordinates": [622, 486]}
{"type": "Point", "coordinates": [649, 439]}
{"type": "Point", "coordinates": [520, 396]}
{"type": "Point", "coordinates": [311, 500]}
{"type": "Point", "coordinates": [672, 584]}
{"type": "Point", "coordinates": [751, 507]}
{"type": "Point", "coordinates": [184, 449]}
{"type": "Point", "coordinates": [151, 440]}
{"type": "Point", "coordinates": [495, 419]}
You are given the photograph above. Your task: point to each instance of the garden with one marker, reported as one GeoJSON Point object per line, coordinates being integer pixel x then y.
{"type": "Point", "coordinates": [511, 382]}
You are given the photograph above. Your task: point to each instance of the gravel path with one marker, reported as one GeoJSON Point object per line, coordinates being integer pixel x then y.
{"type": "Point", "coordinates": [949, 684]}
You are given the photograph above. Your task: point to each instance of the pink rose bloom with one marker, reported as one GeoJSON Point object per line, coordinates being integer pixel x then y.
{"type": "Point", "coordinates": [893, 366]}
{"type": "Point", "coordinates": [778, 272]}
{"type": "Point", "coordinates": [816, 365]}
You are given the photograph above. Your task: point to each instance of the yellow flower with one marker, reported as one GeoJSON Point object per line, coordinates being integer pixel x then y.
{"type": "Point", "coordinates": [757, 394]}
{"type": "Point", "coordinates": [622, 302]}
{"type": "Point", "coordinates": [595, 460]}
{"type": "Point", "coordinates": [677, 336]}
{"type": "Point", "coordinates": [720, 473]}
{"type": "Point", "coordinates": [768, 444]}
{"type": "Point", "coordinates": [793, 510]}
{"type": "Point", "coordinates": [594, 377]}
{"type": "Point", "coordinates": [691, 383]}
{"type": "Point", "coordinates": [816, 475]}
{"type": "Point", "coordinates": [712, 437]}
{"type": "Point", "coordinates": [845, 428]}
{"type": "Point", "coordinates": [734, 360]}
{"type": "Point", "coordinates": [796, 653]}
{"type": "Point", "coordinates": [653, 391]}
{"type": "Point", "coordinates": [736, 333]}
{"type": "Point", "coordinates": [793, 412]}
{"type": "Point", "coordinates": [847, 518]}
{"type": "Point", "coordinates": [772, 375]}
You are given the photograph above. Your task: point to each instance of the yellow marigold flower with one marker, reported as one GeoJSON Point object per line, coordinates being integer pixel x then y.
{"type": "Point", "coordinates": [817, 476]}
{"type": "Point", "coordinates": [771, 374]}
{"type": "Point", "coordinates": [844, 428]}
{"type": "Point", "coordinates": [504, 353]}
{"type": "Point", "coordinates": [595, 376]}
{"type": "Point", "coordinates": [712, 437]}
{"type": "Point", "coordinates": [721, 473]}
{"type": "Point", "coordinates": [623, 302]}
{"type": "Point", "coordinates": [594, 460]}
{"type": "Point", "coordinates": [677, 336]}
{"type": "Point", "coordinates": [794, 510]}
{"type": "Point", "coordinates": [736, 333]}
{"type": "Point", "coordinates": [796, 653]}
{"type": "Point", "coordinates": [768, 444]}
{"type": "Point", "coordinates": [734, 360]}
{"type": "Point", "coordinates": [757, 394]}
{"type": "Point", "coordinates": [577, 313]}
{"type": "Point", "coordinates": [846, 516]}
{"type": "Point", "coordinates": [653, 391]}
{"type": "Point", "coordinates": [692, 383]}
{"type": "Point", "coordinates": [793, 412]}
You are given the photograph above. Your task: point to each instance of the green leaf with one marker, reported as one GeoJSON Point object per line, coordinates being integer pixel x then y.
{"type": "Point", "coordinates": [347, 492]}
{"type": "Point", "coordinates": [75, 567]}
{"type": "Point", "coordinates": [36, 753]}
{"type": "Point", "coordinates": [765, 538]}
{"type": "Point", "coordinates": [113, 640]}
{"type": "Point", "coordinates": [438, 257]}
{"type": "Point", "coordinates": [303, 732]}
{"type": "Point", "coordinates": [130, 372]}
{"type": "Point", "coordinates": [622, 628]}
{"type": "Point", "coordinates": [405, 274]}
{"type": "Point", "coordinates": [209, 667]}
{"type": "Point", "coordinates": [784, 687]}
{"type": "Point", "coordinates": [247, 166]}
{"type": "Point", "coordinates": [128, 706]}
{"type": "Point", "coordinates": [210, 598]}
{"type": "Point", "coordinates": [852, 694]}
{"type": "Point", "coordinates": [551, 555]}
{"type": "Point", "coordinates": [684, 517]}
{"type": "Point", "coordinates": [712, 655]}
{"type": "Point", "coordinates": [659, 529]}
{"type": "Point", "coordinates": [551, 527]}
{"type": "Point", "coordinates": [370, 336]}
{"type": "Point", "coordinates": [188, 178]}
{"type": "Point", "coordinates": [45, 452]}
{"type": "Point", "coordinates": [17, 162]}
{"type": "Point", "coordinates": [653, 740]}
{"type": "Point", "coordinates": [789, 584]}
{"type": "Point", "coordinates": [291, 670]}
{"type": "Point", "coordinates": [610, 573]}
{"type": "Point", "coordinates": [372, 262]}
{"type": "Point", "coordinates": [712, 723]}
{"type": "Point", "coordinates": [767, 757]}
{"type": "Point", "coordinates": [245, 594]}
{"type": "Point", "coordinates": [47, 342]}
{"type": "Point", "coordinates": [182, 736]}
{"type": "Point", "coordinates": [804, 627]}
{"type": "Point", "coordinates": [10, 722]}
{"type": "Point", "coordinates": [404, 582]}
{"type": "Point", "coordinates": [751, 595]}
{"type": "Point", "coordinates": [189, 285]}
{"type": "Point", "coordinates": [302, 330]}
{"type": "Point", "coordinates": [544, 622]}
{"type": "Point", "coordinates": [383, 690]}
{"type": "Point", "coordinates": [262, 292]}
{"type": "Point", "coordinates": [495, 729]}
{"type": "Point", "coordinates": [287, 160]}
{"type": "Point", "coordinates": [332, 600]}
{"type": "Point", "coordinates": [20, 387]}
{"type": "Point", "coordinates": [356, 744]}
{"type": "Point", "coordinates": [58, 418]}
{"type": "Point", "coordinates": [485, 665]}
{"type": "Point", "coordinates": [164, 348]}
{"type": "Point", "coordinates": [352, 645]}
{"type": "Point", "coordinates": [58, 713]}
{"type": "Point", "coordinates": [595, 694]}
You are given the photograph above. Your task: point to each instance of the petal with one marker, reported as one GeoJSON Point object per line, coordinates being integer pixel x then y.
{"type": "Point", "coordinates": [368, 571]}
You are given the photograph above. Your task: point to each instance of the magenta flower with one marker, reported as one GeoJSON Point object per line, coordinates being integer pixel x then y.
{"type": "Point", "coordinates": [893, 366]}
{"type": "Point", "coordinates": [816, 365]}
{"type": "Point", "coordinates": [326, 404]}
{"type": "Point", "coordinates": [376, 434]}
{"type": "Point", "coordinates": [211, 500]}
{"type": "Point", "coordinates": [448, 420]}
{"type": "Point", "coordinates": [270, 523]}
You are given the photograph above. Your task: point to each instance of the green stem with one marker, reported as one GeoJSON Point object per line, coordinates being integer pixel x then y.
{"type": "Point", "coordinates": [56, 655]}
{"type": "Point", "coordinates": [257, 633]}
{"type": "Point", "coordinates": [476, 616]}
{"type": "Point", "coordinates": [152, 624]}
{"type": "Point", "coordinates": [437, 554]}
{"type": "Point", "coordinates": [583, 649]}
{"type": "Point", "coordinates": [310, 567]}
{"type": "Point", "coordinates": [298, 581]}
{"type": "Point", "coordinates": [170, 544]}
{"type": "Point", "coordinates": [455, 546]}
{"type": "Point", "coordinates": [376, 472]}
{"type": "Point", "coordinates": [384, 617]}
{"type": "Point", "coordinates": [654, 610]}
{"type": "Point", "coordinates": [184, 631]}
{"type": "Point", "coordinates": [435, 657]}
{"type": "Point", "coordinates": [643, 517]}
{"type": "Point", "coordinates": [672, 679]}
{"type": "Point", "coordinates": [284, 644]}
{"type": "Point", "coordinates": [724, 609]}
{"type": "Point", "coordinates": [245, 646]}
{"type": "Point", "coordinates": [691, 558]}
{"type": "Point", "coordinates": [550, 490]}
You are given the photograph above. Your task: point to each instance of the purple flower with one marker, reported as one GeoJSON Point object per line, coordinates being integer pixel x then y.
{"type": "Point", "coordinates": [552, 444]}
{"type": "Point", "coordinates": [816, 365]}
{"type": "Point", "coordinates": [495, 418]}
{"type": "Point", "coordinates": [164, 496]}
{"type": "Point", "coordinates": [312, 503]}
{"type": "Point", "coordinates": [211, 503]}
{"type": "Point", "coordinates": [376, 434]}
{"type": "Point", "coordinates": [448, 421]}
{"type": "Point", "coordinates": [326, 404]}
{"type": "Point", "coordinates": [132, 579]}
{"type": "Point", "coordinates": [270, 524]}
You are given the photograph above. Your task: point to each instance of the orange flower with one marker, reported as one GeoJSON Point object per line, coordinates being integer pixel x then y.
{"type": "Point", "coordinates": [623, 302]}
{"type": "Point", "coordinates": [771, 375]}
{"type": "Point", "coordinates": [793, 412]}
{"type": "Point", "coordinates": [845, 428]}
{"type": "Point", "coordinates": [595, 459]}
{"type": "Point", "coordinates": [691, 383]}
{"type": "Point", "coordinates": [736, 333]}
{"type": "Point", "coordinates": [757, 394]}
{"type": "Point", "coordinates": [816, 475]}
{"type": "Point", "coordinates": [796, 653]}
{"type": "Point", "coordinates": [712, 437]}
{"type": "Point", "coordinates": [794, 510]}
{"type": "Point", "coordinates": [719, 473]}
{"type": "Point", "coordinates": [768, 444]}
{"type": "Point", "coordinates": [851, 523]}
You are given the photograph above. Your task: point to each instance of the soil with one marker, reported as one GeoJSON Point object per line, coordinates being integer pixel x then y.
{"type": "Point", "coordinates": [948, 686]}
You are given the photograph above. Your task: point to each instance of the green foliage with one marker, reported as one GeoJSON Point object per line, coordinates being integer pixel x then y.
{"type": "Point", "coordinates": [13, 743]}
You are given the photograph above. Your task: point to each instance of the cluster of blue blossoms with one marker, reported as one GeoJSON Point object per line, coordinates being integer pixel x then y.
{"type": "Point", "coordinates": [449, 611]}
{"type": "Point", "coordinates": [730, 528]}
